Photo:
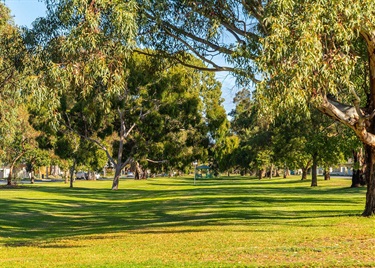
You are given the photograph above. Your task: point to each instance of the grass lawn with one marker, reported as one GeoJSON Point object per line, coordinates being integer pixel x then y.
{"type": "Point", "coordinates": [169, 222]}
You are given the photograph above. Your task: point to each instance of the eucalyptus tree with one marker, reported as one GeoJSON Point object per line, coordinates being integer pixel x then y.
{"type": "Point", "coordinates": [13, 63]}
{"type": "Point", "coordinates": [24, 141]}
{"type": "Point", "coordinates": [315, 53]}
{"type": "Point", "coordinates": [225, 153]}
{"type": "Point", "coordinates": [67, 148]}
{"type": "Point", "coordinates": [188, 113]}
{"type": "Point", "coordinates": [36, 158]}
{"type": "Point", "coordinates": [255, 149]}
{"type": "Point", "coordinates": [189, 116]}
{"type": "Point", "coordinates": [82, 47]}
{"type": "Point", "coordinates": [294, 140]}
{"type": "Point", "coordinates": [308, 142]}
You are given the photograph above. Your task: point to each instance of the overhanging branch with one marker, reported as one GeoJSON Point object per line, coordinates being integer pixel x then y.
{"type": "Point", "coordinates": [348, 116]}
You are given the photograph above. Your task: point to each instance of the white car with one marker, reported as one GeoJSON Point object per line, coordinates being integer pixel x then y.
{"type": "Point", "coordinates": [130, 175]}
{"type": "Point", "coordinates": [80, 175]}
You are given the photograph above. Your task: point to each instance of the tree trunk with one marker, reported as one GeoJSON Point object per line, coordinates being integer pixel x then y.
{"type": "Point", "coordinates": [370, 180]}
{"type": "Point", "coordinates": [72, 174]}
{"type": "Point", "coordinates": [91, 175]}
{"type": "Point", "coordinates": [31, 177]}
{"type": "Point", "coordinates": [260, 174]}
{"type": "Point", "coordinates": [304, 174]}
{"type": "Point", "coordinates": [116, 178]}
{"type": "Point", "coordinates": [356, 177]}
{"type": "Point", "coordinates": [271, 171]}
{"type": "Point", "coordinates": [314, 174]}
{"type": "Point", "coordinates": [138, 174]}
{"type": "Point", "coordinates": [10, 176]}
{"type": "Point", "coordinates": [144, 174]}
{"type": "Point", "coordinates": [13, 163]}
{"type": "Point", "coordinates": [286, 173]}
{"type": "Point", "coordinates": [118, 165]}
{"type": "Point", "coordinates": [327, 175]}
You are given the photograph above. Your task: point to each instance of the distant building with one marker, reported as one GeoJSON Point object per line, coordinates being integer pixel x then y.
{"type": "Point", "coordinates": [19, 172]}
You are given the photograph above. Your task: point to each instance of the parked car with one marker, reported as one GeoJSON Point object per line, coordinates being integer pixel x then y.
{"type": "Point", "coordinates": [130, 175]}
{"type": "Point", "coordinates": [80, 175]}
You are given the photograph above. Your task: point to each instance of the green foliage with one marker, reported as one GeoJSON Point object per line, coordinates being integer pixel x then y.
{"type": "Point", "coordinates": [206, 28]}
{"type": "Point", "coordinates": [313, 49]}
{"type": "Point", "coordinates": [255, 146]}
{"type": "Point", "coordinates": [82, 49]}
{"type": "Point", "coordinates": [38, 158]}
{"type": "Point", "coordinates": [13, 62]}
{"type": "Point", "coordinates": [189, 113]}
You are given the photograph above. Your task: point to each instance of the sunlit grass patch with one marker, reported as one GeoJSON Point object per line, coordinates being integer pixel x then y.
{"type": "Point", "coordinates": [169, 222]}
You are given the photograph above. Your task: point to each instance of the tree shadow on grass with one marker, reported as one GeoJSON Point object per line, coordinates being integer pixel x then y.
{"type": "Point", "coordinates": [82, 211]}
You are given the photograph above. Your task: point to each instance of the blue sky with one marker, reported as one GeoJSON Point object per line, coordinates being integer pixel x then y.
{"type": "Point", "coordinates": [26, 11]}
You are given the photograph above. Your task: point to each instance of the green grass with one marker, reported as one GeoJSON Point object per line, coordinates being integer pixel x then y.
{"type": "Point", "coordinates": [169, 222]}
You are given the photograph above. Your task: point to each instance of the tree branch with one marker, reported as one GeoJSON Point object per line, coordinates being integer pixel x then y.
{"type": "Point", "coordinates": [157, 162]}
{"type": "Point", "coordinates": [349, 116]}
{"type": "Point", "coordinates": [166, 26]}
{"type": "Point", "coordinates": [174, 57]}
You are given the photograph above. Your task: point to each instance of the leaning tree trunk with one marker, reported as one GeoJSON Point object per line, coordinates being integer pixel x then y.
{"type": "Point", "coordinates": [304, 174]}
{"type": "Point", "coordinates": [13, 163]}
{"type": "Point", "coordinates": [10, 176]}
{"type": "Point", "coordinates": [314, 177]}
{"type": "Point", "coordinates": [116, 179]}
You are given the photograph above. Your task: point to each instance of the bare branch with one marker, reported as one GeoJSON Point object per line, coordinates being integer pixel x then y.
{"type": "Point", "coordinates": [130, 129]}
{"type": "Point", "coordinates": [99, 144]}
{"type": "Point", "coordinates": [166, 26]}
{"type": "Point", "coordinates": [174, 57]}
{"type": "Point", "coordinates": [157, 162]}
{"type": "Point", "coordinates": [127, 161]}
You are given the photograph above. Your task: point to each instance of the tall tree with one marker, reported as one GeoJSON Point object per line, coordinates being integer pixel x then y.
{"type": "Point", "coordinates": [256, 149]}
{"type": "Point", "coordinates": [24, 140]}
{"type": "Point", "coordinates": [313, 55]}
{"type": "Point", "coordinates": [82, 47]}
{"type": "Point", "coordinates": [13, 62]}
